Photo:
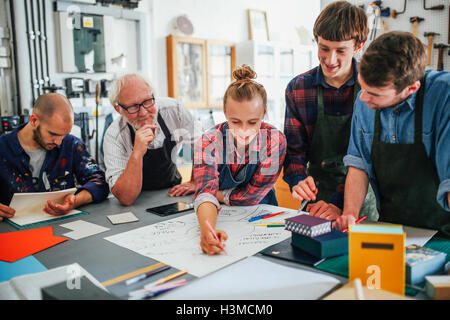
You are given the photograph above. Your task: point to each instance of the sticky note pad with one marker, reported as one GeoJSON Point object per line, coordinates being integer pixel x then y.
{"type": "Point", "coordinates": [122, 218]}
{"type": "Point", "coordinates": [82, 229]}
{"type": "Point", "coordinates": [307, 225]}
{"type": "Point", "coordinates": [331, 244]}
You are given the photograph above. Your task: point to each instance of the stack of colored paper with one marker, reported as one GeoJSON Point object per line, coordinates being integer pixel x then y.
{"type": "Point", "coordinates": [20, 244]}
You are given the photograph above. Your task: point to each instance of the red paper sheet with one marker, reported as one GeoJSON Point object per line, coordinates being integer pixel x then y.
{"type": "Point", "coordinates": [20, 244]}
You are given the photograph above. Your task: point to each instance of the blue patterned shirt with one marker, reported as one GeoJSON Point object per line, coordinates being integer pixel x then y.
{"type": "Point", "coordinates": [66, 166]}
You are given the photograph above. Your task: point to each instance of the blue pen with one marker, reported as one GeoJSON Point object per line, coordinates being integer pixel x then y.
{"type": "Point", "coordinates": [258, 217]}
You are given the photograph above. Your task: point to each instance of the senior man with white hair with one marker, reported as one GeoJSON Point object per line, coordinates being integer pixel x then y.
{"type": "Point", "coordinates": [140, 146]}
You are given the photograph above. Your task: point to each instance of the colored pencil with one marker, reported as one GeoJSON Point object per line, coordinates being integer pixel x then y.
{"type": "Point", "coordinates": [273, 215]}
{"type": "Point", "coordinates": [268, 224]}
{"type": "Point", "coordinates": [356, 222]}
{"type": "Point", "coordinates": [214, 234]}
{"type": "Point", "coordinates": [258, 217]}
{"type": "Point", "coordinates": [146, 275]}
{"type": "Point", "coordinates": [168, 278]}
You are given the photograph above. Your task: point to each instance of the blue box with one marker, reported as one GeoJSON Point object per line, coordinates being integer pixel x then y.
{"type": "Point", "coordinates": [421, 262]}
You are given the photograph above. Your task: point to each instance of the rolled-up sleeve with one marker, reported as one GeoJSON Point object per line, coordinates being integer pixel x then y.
{"type": "Point", "coordinates": [355, 156]}
{"type": "Point", "coordinates": [297, 141]}
{"type": "Point", "coordinates": [442, 156]}
{"type": "Point", "coordinates": [206, 175]}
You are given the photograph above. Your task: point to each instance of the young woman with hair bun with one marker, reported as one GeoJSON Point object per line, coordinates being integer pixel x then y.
{"type": "Point", "coordinates": [236, 162]}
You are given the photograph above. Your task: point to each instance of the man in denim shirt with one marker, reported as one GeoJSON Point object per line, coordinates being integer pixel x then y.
{"type": "Point", "coordinates": [400, 137]}
{"type": "Point", "coordinates": [42, 156]}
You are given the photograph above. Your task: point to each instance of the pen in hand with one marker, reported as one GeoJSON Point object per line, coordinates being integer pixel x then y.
{"type": "Point", "coordinates": [214, 234]}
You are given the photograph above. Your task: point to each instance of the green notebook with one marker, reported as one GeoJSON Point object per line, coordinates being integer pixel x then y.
{"type": "Point", "coordinates": [32, 225]}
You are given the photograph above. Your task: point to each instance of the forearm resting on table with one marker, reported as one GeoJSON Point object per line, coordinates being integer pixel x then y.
{"type": "Point", "coordinates": [81, 198]}
{"type": "Point", "coordinates": [128, 187]}
{"type": "Point", "coordinates": [207, 211]}
{"type": "Point", "coordinates": [356, 185]}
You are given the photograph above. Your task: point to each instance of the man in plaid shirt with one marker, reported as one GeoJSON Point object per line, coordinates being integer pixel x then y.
{"type": "Point", "coordinates": [319, 107]}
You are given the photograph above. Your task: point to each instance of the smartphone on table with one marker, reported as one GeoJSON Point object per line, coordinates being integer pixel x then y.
{"type": "Point", "coordinates": [171, 208]}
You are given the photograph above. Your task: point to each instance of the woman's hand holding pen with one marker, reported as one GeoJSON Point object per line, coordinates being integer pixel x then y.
{"type": "Point", "coordinates": [209, 244]}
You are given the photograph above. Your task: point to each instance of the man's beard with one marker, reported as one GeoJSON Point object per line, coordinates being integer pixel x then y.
{"type": "Point", "coordinates": [37, 137]}
{"type": "Point", "coordinates": [149, 119]}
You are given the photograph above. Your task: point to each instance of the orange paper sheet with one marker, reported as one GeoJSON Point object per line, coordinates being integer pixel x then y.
{"type": "Point", "coordinates": [20, 244]}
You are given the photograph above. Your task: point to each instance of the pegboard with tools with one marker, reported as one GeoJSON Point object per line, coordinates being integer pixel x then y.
{"type": "Point", "coordinates": [428, 19]}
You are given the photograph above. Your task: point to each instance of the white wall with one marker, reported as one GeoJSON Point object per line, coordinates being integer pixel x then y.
{"type": "Point", "coordinates": [224, 20]}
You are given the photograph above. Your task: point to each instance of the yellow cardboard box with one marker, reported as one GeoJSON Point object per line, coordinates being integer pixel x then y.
{"type": "Point", "coordinates": [377, 256]}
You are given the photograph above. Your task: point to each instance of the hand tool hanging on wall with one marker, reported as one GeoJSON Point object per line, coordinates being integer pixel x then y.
{"type": "Point", "coordinates": [440, 63]}
{"type": "Point", "coordinates": [438, 7]}
{"type": "Point", "coordinates": [385, 26]}
{"type": "Point", "coordinates": [376, 13]}
{"type": "Point", "coordinates": [430, 36]}
{"type": "Point", "coordinates": [415, 21]}
{"type": "Point", "coordinates": [395, 13]}
{"type": "Point", "coordinates": [385, 12]}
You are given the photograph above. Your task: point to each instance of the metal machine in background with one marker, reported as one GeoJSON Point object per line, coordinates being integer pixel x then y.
{"type": "Point", "coordinates": [80, 41]}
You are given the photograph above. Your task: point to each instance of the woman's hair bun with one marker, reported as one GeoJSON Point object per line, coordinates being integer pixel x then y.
{"type": "Point", "coordinates": [244, 72]}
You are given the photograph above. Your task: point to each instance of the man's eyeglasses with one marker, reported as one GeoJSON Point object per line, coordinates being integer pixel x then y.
{"type": "Point", "coordinates": [135, 108]}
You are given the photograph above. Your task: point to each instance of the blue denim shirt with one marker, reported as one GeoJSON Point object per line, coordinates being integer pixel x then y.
{"type": "Point", "coordinates": [397, 126]}
{"type": "Point", "coordinates": [65, 166]}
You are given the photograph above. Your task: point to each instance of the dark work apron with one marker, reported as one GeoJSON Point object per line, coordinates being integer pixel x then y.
{"type": "Point", "coordinates": [407, 180]}
{"type": "Point", "coordinates": [158, 169]}
{"type": "Point", "coordinates": [244, 176]}
{"type": "Point", "coordinates": [328, 148]}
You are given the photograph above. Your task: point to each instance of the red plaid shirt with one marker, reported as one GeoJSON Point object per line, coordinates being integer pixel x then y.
{"type": "Point", "coordinates": [269, 143]}
{"type": "Point", "coordinates": [301, 118]}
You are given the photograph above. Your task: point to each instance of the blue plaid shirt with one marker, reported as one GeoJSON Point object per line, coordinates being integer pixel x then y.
{"type": "Point", "coordinates": [66, 166]}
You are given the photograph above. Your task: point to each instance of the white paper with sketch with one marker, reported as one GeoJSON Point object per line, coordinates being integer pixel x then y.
{"type": "Point", "coordinates": [176, 242]}
{"type": "Point", "coordinates": [255, 278]}
{"type": "Point", "coordinates": [29, 206]}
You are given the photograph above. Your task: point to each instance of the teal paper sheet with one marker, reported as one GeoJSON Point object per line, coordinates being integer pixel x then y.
{"type": "Point", "coordinates": [27, 265]}
{"type": "Point", "coordinates": [32, 225]}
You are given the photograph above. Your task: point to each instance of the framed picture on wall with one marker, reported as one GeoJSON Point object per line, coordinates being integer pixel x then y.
{"type": "Point", "coordinates": [257, 25]}
{"type": "Point", "coordinates": [186, 62]}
